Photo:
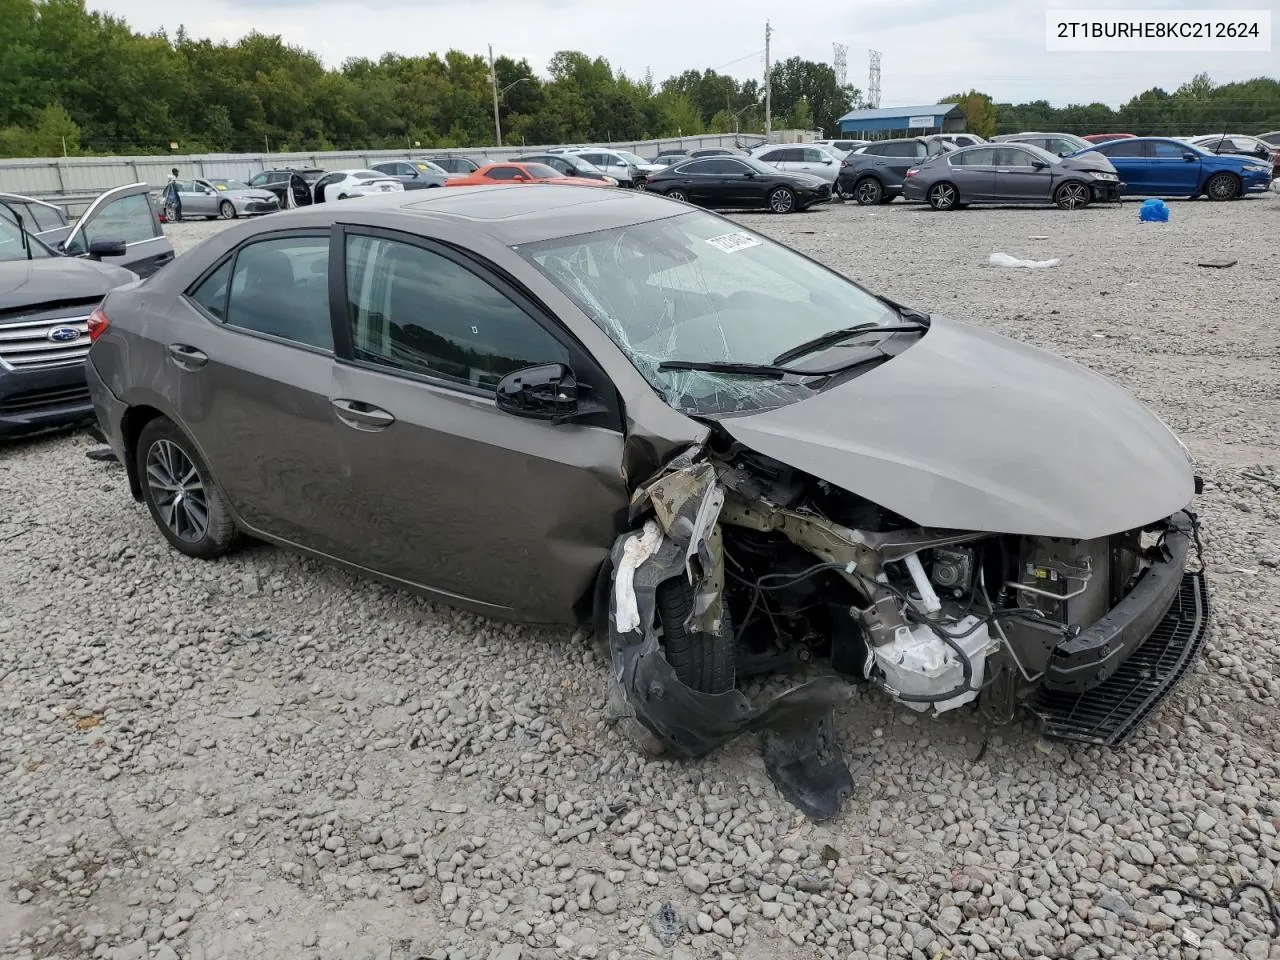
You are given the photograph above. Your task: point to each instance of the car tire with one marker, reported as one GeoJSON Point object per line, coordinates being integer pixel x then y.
{"type": "Point", "coordinates": [678, 195]}
{"type": "Point", "coordinates": [943, 196]}
{"type": "Point", "coordinates": [185, 501]}
{"type": "Point", "coordinates": [1072, 195]}
{"type": "Point", "coordinates": [226, 210]}
{"type": "Point", "coordinates": [782, 200]}
{"type": "Point", "coordinates": [704, 662]}
{"type": "Point", "coordinates": [868, 192]}
{"type": "Point", "coordinates": [1222, 186]}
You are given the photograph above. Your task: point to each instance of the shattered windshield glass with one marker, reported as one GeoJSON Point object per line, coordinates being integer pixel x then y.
{"type": "Point", "coordinates": [698, 288]}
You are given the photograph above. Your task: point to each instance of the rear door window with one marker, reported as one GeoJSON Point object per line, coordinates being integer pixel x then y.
{"type": "Point", "coordinates": [280, 287]}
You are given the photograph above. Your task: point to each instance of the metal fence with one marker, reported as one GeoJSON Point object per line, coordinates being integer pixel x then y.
{"type": "Point", "coordinates": [74, 180]}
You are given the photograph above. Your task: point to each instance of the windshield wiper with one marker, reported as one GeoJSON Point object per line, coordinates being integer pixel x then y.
{"type": "Point", "coordinates": [834, 337]}
{"type": "Point", "coordinates": [771, 370]}
{"type": "Point", "coordinates": [722, 366]}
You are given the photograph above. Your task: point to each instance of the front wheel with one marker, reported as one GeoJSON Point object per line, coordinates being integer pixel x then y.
{"type": "Point", "coordinates": [782, 200]}
{"type": "Point", "coordinates": [184, 500]}
{"type": "Point", "coordinates": [943, 196]}
{"type": "Point", "coordinates": [227, 210]}
{"type": "Point", "coordinates": [702, 661]}
{"type": "Point", "coordinates": [1072, 195]}
{"type": "Point", "coordinates": [1222, 186]}
{"type": "Point", "coordinates": [678, 195]}
{"type": "Point", "coordinates": [868, 192]}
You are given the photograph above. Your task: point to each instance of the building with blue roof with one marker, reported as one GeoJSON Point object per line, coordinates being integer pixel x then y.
{"type": "Point", "coordinates": [902, 121]}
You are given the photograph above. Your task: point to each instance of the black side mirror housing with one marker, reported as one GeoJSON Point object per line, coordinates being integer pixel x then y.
{"type": "Point", "coordinates": [749, 173]}
{"type": "Point", "coordinates": [548, 391]}
{"type": "Point", "coordinates": [1039, 164]}
{"type": "Point", "coordinates": [107, 247]}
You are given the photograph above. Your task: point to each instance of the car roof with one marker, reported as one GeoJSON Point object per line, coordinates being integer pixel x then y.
{"type": "Point", "coordinates": [509, 213]}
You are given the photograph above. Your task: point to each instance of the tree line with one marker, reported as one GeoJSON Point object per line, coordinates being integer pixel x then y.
{"type": "Point", "coordinates": [77, 82]}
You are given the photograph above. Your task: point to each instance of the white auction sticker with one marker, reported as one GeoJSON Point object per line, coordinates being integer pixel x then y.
{"type": "Point", "coordinates": [1157, 31]}
{"type": "Point", "coordinates": [733, 242]}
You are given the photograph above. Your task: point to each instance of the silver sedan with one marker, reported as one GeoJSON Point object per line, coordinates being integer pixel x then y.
{"type": "Point", "coordinates": [224, 198]}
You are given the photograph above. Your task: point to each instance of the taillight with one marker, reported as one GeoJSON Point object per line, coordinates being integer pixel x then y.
{"type": "Point", "coordinates": [912, 172]}
{"type": "Point", "coordinates": [98, 323]}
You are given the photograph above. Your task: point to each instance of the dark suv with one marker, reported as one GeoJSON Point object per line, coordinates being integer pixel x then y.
{"type": "Point", "coordinates": [874, 173]}
{"type": "Point", "coordinates": [283, 180]}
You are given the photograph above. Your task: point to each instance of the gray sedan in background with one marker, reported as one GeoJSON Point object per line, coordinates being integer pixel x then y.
{"type": "Point", "coordinates": [225, 198]}
{"type": "Point", "coordinates": [1011, 173]}
{"type": "Point", "coordinates": [413, 174]}
{"type": "Point", "coordinates": [1059, 144]}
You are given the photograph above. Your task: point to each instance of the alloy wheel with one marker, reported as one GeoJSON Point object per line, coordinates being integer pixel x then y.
{"type": "Point", "coordinates": [781, 200]}
{"type": "Point", "coordinates": [1222, 186]}
{"type": "Point", "coordinates": [942, 196]}
{"type": "Point", "coordinates": [226, 211]}
{"type": "Point", "coordinates": [867, 193]}
{"type": "Point", "coordinates": [677, 195]}
{"type": "Point", "coordinates": [1072, 196]}
{"type": "Point", "coordinates": [178, 492]}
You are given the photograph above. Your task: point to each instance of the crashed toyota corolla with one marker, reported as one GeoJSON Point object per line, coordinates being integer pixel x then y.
{"type": "Point", "coordinates": [572, 405]}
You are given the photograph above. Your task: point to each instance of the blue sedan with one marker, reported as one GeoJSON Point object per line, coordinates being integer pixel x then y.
{"type": "Point", "coordinates": [1161, 167]}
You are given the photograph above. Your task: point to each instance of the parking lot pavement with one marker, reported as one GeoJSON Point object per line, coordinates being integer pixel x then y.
{"type": "Point", "coordinates": [264, 756]}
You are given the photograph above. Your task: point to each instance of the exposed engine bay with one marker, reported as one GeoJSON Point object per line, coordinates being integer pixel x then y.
{"type": "Point", "coordinates": [741, 565]}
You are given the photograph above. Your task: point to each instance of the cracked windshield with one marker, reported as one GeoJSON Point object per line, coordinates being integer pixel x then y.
{"type": "Point", "coordinates": [698, 289]}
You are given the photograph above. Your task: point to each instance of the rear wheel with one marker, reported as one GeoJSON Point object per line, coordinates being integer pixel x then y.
{"type": "Point", "coordinates": [185, 502]}
{"type": "Point", "coordinates": [1222, 186]}
{"type": "Point", "coordinates": [868, 192]}
{"type": "Point", "coordinates": [943, 196]}
{"type": "Point", "coordinates": [782, 200]}
{"type": "Point", "coordinates": [702, 661]}
{"type": "Point", "coordinates": [1072, 195]}
{"type": "Point", "coordinates": [227, 210]}
{"type": "Point", "coordinates": [678, 195]}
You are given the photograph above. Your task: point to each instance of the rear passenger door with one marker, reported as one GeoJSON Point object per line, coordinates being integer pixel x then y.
{"type": "Point", "coordinates": [1134, 170]}
{"type": "Point", "coordinates": [446, 491]}
{"type": "Point", "coordinates": [251, 353]}
{"type": "Point", "coordinates": [898, 158]}
{"type": "Point", "coordinates": [974, 173]}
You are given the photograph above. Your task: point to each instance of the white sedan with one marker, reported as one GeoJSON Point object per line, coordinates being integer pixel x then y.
{"type": "Point", "coordinates": [344, 184]}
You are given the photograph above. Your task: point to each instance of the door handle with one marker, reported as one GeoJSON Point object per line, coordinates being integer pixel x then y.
{"type": "Point", "coordinates": [362, 416]}
{"type": "Point", "coordinates": [189, 358]}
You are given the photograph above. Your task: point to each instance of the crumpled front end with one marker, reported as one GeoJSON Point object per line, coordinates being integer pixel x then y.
{"type": "Point", "coordinates": [739, 565]}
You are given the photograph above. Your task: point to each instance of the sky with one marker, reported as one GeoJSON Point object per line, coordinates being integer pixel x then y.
{"type": "Point", "coordinates": [929, 48]}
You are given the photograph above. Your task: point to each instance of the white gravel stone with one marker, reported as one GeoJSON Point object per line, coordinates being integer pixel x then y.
{"type": "Point", "coordinates": [256, 747]}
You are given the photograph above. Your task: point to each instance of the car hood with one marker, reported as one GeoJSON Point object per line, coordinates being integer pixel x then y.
{"type": "Point", "coordinates": [1091, 161]}
{"type": "Point", "coordinates": [30, 283]}
{"type": "Point", "coordinates": [969, 430]}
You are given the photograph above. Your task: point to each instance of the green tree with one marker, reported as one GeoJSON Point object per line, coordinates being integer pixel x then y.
{"type": "Point", "coordinates": [797, 79]}
{"type": "Point", "coordinates": [979, 111]}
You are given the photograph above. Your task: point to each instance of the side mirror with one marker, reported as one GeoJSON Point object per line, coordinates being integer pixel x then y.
{"type": "Point", "coordinates": [1039, 164]}
{"type": "Point", "coordinates": [548, 391]}
{"type": "Point", "coordinates": [826, 162]}
{"type": "Point", "coordinates": [107, 247]}
{"type": "Point", "coordinates": [521, 177]}
{"type": "Point", "coordinates": [1189, 157]}
{"type": "Point", "coordinates": [749, 173]}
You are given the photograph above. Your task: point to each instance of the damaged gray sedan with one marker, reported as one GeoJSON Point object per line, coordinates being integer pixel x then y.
{"type": "Point", "coordinates": [567, 405]}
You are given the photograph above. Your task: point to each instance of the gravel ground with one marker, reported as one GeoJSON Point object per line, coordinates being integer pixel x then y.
{"type": "Point", "coordinates": [267, 757]}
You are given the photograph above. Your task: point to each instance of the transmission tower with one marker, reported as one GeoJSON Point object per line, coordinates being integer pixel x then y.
{"type": "Point", "coordinates": [840, 62]}
{"type": "Point", "coordinates": [873, 80]}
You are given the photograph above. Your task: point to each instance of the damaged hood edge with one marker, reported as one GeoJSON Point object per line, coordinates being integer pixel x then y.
{"type": "Point", "coordinates": [969, 430]}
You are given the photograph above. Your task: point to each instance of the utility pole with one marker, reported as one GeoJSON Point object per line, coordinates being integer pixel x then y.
{"type": "Point", "coordinates": [768, 83]}
{"type": "Point", "coordinates": [493, 79]}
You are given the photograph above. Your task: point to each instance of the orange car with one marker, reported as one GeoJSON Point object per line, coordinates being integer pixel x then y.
{"type": "Point", "coordinates": [520, 173]}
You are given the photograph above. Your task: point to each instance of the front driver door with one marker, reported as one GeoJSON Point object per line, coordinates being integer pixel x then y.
{"type": "Point", "coordinates": [1018, 179]}
{"type": "Point", "coordinates": [199, 198]}
{"type": "Point", "coordinates": [124, 213]}
{"type": "Point", "coordinates": [448, 492]}
{"type": "Point", "coordinates": [1172, 174]}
